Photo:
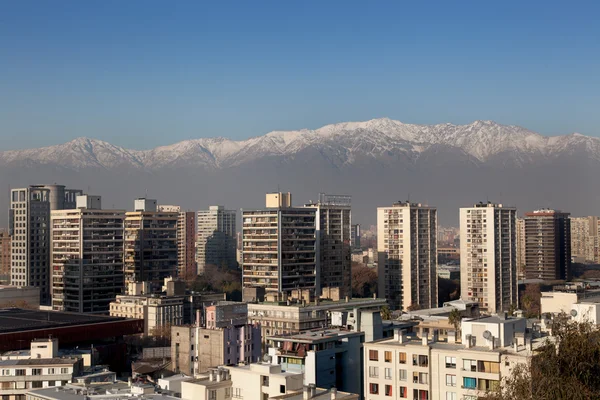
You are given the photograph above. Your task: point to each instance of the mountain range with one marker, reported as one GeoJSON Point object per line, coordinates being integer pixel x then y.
{"type": "Point", "coordinates": [377, 162]}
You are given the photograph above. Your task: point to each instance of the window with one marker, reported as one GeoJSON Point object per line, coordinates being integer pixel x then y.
{"type": "Point", "coordinates": [237, 393]}
{"type": "Point", "coordinates": [420, 360]}
{"type": "Point", "coordinates": [470, 365]}
{"type": "Point", "coordinates": [402, 358]}
{"type": "Point", "coordinates": [388, 390]}
{"type": "Point", "coordinates": [64, 370]}
{"type": "Point", "coordinates": [450, 362]}
{"type": "Point", "coordinates": [451, 396]}
{"type": "Point", "coordinates": [403, 392]}
{"type": "Point", "coordinates": [388, 373]}
{"type": "Point", "coordinates": [51, 371]}
{"type": "Point", "coordinates": [227, 393]}
{"type": "Point", "coordinates": [281, 388]}
{"type": "Point", "coordinates": [212, 395]}
{"type": "Point", "coordinates": [469, 383]}
{"type": "Point", "coordinates": [450, 380]}
{"type": "Point", "coordinates": [373, 372]}
{"type": "Point", "coordinates": [265, 380]}
{"type": "Point", "coordinates": [20, 372]}
{"type": "Point", "coordinates": [387, 356]}
{"type": "Point", "coordinates": [373, 388]}
{"type": "Point", "coordinates": [402, 374]}
{"type": "Point", "coordinates": [488, 366]}
{"type": "Point", "coordinates": [373, 355]}
{"type": "Point", "coordinates": [51, 383]}
{"type": "Point", "coordinates": [6, 372]}
{"type": "Point", "coordinates": [420, 394]}
{"type": "Point", "coordinates": [487, 384]}
{"type": "Point", "coordinates": [36, 384]}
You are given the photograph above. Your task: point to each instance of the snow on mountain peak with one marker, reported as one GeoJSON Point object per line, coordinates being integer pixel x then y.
{"type": "Point", "coordinates": [345, 141]}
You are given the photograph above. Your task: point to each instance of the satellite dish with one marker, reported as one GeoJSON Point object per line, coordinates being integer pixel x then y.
{"type": "Point", "coordinates": [573, 313]}
{"type": "Point", "coordinates": [267, 358]}
{"type": "Point", "coordinates": [487, 335]}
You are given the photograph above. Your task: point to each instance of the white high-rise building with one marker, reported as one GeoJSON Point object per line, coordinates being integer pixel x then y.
{"type": "Point", "coordinates": [407, 254]}
{"type": "Point", "coordinates": [488, 256]}
{"type": "Point", "coordinates": [279, 250]}
{"type": "Point", "coordinates": [216, 241]}
{"type": "Point", "coordinates": [86, 257]}
{"type": "Point", "coordinates": [29, 216]}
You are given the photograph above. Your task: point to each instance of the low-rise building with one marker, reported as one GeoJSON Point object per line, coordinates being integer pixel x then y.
{"type": "Point", "coordinates": [257, 381]}
{"type": "Point", "coordinates": [328, 358]}
{"type": "Point", "coordinates": [226, 339]}
{"type": "Point", "coordinates": [408, 367]}
{"type": "Point", "coordinates": [289, 317]}
{"type": "Point", "coordinates": [109, 390]}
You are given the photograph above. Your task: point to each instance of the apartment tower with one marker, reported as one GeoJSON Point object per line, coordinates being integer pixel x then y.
{"type": "Point", "coordinates": [333, 222]}
{"type": "Point", "coordinates": [520, 248]}
{"type": "Point", "coordinates": [29, 219]}
{"type": "Point", "coordinates": [279, 250]}
{"type": "Point", "coordinates": [584, 239]}
{"type": "Point", "coordinates": [150, 242]}
{"type": "Point", "coordinates": [86, 252]}
{"type": "Point", "coordinates": [407, 254]}
{"type": "Point", "coordinates": [186, 240]}
{"type": "Point", "coordinates": [547, 245]}
{"type": "Point", "coordinates": [216, 242]}
{"type": "Point", "coordinates": [488, 256]}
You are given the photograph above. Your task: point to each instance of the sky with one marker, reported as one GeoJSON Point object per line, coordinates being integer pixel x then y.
{"type": "Point", "coordinates": [145, 73]}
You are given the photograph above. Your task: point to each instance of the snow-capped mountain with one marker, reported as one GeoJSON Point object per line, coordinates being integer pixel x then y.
{"type": "Point", "coordinates": [376, 138]}
{"type": "Point", "coordinates": [377, 162]}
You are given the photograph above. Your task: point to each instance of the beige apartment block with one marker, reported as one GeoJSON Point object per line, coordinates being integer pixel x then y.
{"type": "Point", "coordinates": [150, 242]}
{"type": "Point", "coordinates": [521, 248]}
{"type": "Point", "coordinates": [186, 240]}
{"type": "Point", "coordinates": [584, 239]}
{"type": "Point", "coordinates": [407, 254]}
{"type": "Point", "coordinates": [216, 242]}
{"type": "Point", "coordinates": [488, 256]}
{"type": "Point", "coordinates": [279, 250]}
{"type": "Point", "coordinates": [86, 252]}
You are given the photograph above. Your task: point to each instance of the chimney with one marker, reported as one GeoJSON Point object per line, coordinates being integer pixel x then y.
{"type": "Point", "coordinates": [434, 337]}
{"type": "Point", "coordinates": [375, 296]}
{"type": "Point", "coordinates": [347, 299]}
{"type": "Point", "coordinates": [516, 346]}
{"type": "Point", "coordinates": [198, 318]}
{"type": "Point", "coordinates": [425, 339]}
{"type": "Point", "coordinates": [491, 343]}
{"type": "Point", "coordinates": [468, 341]}
{"type": "Point", "coordinates": [333, 393]}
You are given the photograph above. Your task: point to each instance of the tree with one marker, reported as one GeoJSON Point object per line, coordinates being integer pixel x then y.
{"type": "Point", "coordinates": [413, 307]}
{"type": "Point", "coordinates": [530, 300]}
{"type": "Point", "coordinates": [454, 319]}
{"type": "Point", "coordinates": [386, 313]}
{"type": "Point", "coordinates": [364, 280]}
{"type": "Point", "coordinates": [567, 368]}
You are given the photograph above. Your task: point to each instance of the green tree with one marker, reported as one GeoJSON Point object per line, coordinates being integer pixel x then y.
{"type": "Point", "coordinates": [567, 368]}
{"type": "Point", "coordinates": [454, 319]}
{"type": "Point", "coordinates": [386, 313]}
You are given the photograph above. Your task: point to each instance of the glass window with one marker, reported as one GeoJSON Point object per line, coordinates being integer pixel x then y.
{"type": "Point", "coordinates": [374, 388]}
{"type": "Point", "coordinates": [450, 362]}
{"type": "Point", "coordinates": [402, 374]}
{"type": "Point", "coordinates": [373, 355]}
{"type": "Point", "coordinates": [387, 356]}
{"type": "Point", "coordinates": [451, 396]}
{"type": "Point", "coordinates": [388, 390]}
{"type": "Point", "coordinates": [450, 380]}
{"type": "Point", "coordinates": [373, 372]}
{"type": "Point", "coordinates": [388, 373]}
{"type": "Point", "coordinates": [403, 392]}
{"type": "Point", "coordinates": [469, 383]}
{"type": "Point", "coordinates": [402, 358]}
{"type": "Point", "coordinates": [470, 365]}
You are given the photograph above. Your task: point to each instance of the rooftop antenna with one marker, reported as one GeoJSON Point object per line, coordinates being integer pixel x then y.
{"type": "Point", "coordinates": [146, 193]}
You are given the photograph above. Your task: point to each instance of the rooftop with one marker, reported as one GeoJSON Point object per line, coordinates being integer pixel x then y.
{"type": "Point", "coordinates": [39, 361]}
{"type": "Point", "coordinates": [104, 391]}
{"type": "Point", "coordinates": [326, 304]}
{"type": "Point", "coordinates": [16, 319]}
{"type": "Point", "coordinates": [315, 336]}
{"type": "Point", "coordinates": [319, 394]}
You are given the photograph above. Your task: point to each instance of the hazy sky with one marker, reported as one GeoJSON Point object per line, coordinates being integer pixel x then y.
{"type": "Point", "coordinates": [145, 73]}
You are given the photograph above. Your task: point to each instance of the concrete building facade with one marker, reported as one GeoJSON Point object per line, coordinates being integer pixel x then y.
{"type": "Point", "coordinates": [407, 254]}
{"type": "Point", "coordinates": [584, 239]}
{"type": "Point", "coordinates": [216, 241]}
{"type": "Point", "coordinates": [488, 262]}
{"type": "Point", "coordinates": [29, 228]}
{"type": "Point", "coordinates": [521, 263]}
{"type": "Point", "coordinates": [186, 240]}
{"type": "Point", "coordinates": [333, 224]}
{"type": "Point", "coordinates": [86, 252]}
{"type": "Point", "coordinates": [328, 358]}
{"type": "Point", "coordinates": [279, 250]}
{"type": "Point", "coordinates": [547, 245]}
{"type": "Point", "coordinates": [150, 244]}
{"type": "Point", "coordinates": [4, 256]}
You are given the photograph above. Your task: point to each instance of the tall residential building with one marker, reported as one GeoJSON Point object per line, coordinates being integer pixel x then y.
{"type": "Point", "coordinates": [488, 256]}
{"type": "Point", "coordinates": [29, 228]}
{"type": "Point", "coordinates": [333, 223]}
{"type": "Point", "coordinates": [584, 239]}
{"type": "Point", "coordinates": [355, 236]}
{"type": "Point", "coordinates": [279, 246]}
{"type": "Point", "coordinates": [86, 252]}
{"type": "Point", "coordinates": [186, 240]}
{"type": "Point", "coordinates": [216, 238]}
{"type": "Point", "coordinates": [150, 253]}
{"type": "Point", "coordinates": [521, 248]}
{"type": "Point", "coordinates": [547, 245]}
{"type": "Point", "coordinates": [4, 256]}
{"type": "Point", "coordinates": [407, 254]}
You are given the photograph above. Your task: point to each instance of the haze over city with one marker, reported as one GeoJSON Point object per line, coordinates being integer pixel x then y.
{"type": "Point", "coordinates": [267, 200]}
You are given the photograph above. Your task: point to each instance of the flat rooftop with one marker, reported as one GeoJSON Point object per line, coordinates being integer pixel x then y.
{"type": "Point", "coordinates": [16, 319]}
{"type": "Point", "coordinates": [326, 304]}
{"type": "Point", "coordinates": [316, 335]}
